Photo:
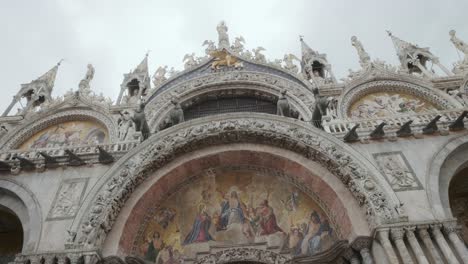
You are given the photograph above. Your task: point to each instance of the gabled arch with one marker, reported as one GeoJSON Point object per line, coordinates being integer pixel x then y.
{"type": "Point", "coordinates": [104, 202]}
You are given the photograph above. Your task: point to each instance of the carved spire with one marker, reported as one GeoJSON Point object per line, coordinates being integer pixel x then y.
{"type": "Point", "coordinates": [413, 58]}
{"type": "Point", "coordinates": [315, 66]}
{"type": "Point", "coordinates": [136, 83]}
{"type": "Point", "coordinates": [37, 91]}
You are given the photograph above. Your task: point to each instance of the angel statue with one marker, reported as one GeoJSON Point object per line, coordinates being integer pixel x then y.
{"type": "Point", "coordinates": [259, 57]}
{"type": "Point", "coordinates": [159, 76]}
{"type": "Point", "coordinates": [210, 46]}
{"type": "Point", "coordinates": [189, 61]}
{"type": "Point", "coordinates": [460, 45]}
{"type": "Point", "coordinates": [289, 64]}
{"type": "Point", "coordinates": [172, 72]}
{"type": "Point", "coordinates": [238, 45]}
{"type": "Point", "coordinates": [84, 86]}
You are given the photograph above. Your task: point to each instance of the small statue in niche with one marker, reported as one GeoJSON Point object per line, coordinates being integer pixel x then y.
{"type": "Point", "coordinates": [141, 125]}
{"type": "Point", "coordinates": [176, 114]}
{"type": "Point", "coordinates": [318, 78]}
{"type": "Point", "coordinates": [320, 109]}
{"type": "Point", "coordinates": [84, 87]}
{"type": "Point", "coordinates": [126, 126]}
{"type": "Point", "coordinates": [282, 106]}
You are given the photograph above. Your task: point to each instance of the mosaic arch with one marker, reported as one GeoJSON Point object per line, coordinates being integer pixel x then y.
{"type": "Point", "coordinates": [382, 104]}
{"type": "Point", "coordinates": [233, 205]}
{"type": "Point", "coordinates": [69, 133]}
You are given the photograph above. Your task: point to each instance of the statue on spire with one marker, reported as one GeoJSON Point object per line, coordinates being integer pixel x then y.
{"type": "Point", "coordinates": [364, 58]}
{"type": "Point", "coordinates": [462, 65]}
{"type": "Point", "coordinates": [84, 87]}
{"type": "Point", "coordinates": [223, 37]}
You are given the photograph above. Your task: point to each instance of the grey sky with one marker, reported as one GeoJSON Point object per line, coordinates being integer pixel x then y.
{"type": "Point", "coordinates": [115, 35]}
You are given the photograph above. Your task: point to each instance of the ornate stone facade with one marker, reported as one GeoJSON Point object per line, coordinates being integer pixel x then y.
{"type": "Point", "coordinates": [365, 165]}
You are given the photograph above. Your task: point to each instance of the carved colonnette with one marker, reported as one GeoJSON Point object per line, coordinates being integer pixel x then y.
{"type": "Point", "coordinates": [233, 128]}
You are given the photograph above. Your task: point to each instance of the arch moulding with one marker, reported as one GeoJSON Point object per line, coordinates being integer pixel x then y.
{"type": "Point", "coordinates": [300, 97]}
{"type": "Point", "coordinates": [104, 202]}
{"type": "Point", "coordinates": [445, 164]}
{"type": "Point", "coordinates": [25, 205]}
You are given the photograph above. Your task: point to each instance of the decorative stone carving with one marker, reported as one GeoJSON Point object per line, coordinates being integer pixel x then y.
{"type": "Point", "coordinates": [108, 202]}
{"type": "Point", "coordinates": [68, 199]}
{"type": "Point", "coordinates": [238, 45]}
{"type": "Point", "coordinates": [159, 76]}
{"type": "Point", "coordinates": [397, 171]}
{"type": "Point", "coordinates": [224, 59]}
{"type": "Point", "coordinates": [84, 87]}
{"type": "Point", "coordinates": [289, 63]}
{"type": "Point", "coordinates": [461, 66]}
{"type": "Point", "coordinates": [258, 56]}
{"type": "Point", "coordinates": [244, 254]}
{"type": "Point", "coordinates": [282, 106]}
{"type": "Point", "coordinates": [190, 61]}
{"type": "Point", "coordinates": [210, 46]}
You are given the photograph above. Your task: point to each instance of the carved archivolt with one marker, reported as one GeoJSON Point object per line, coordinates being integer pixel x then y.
{"type": "Point", "coordinates": [362, 179]}
{"type": "Point", "coordinates": [243, 254]}
{"type": "Point", "coordinates": [31, 127]}
{"type": "Point", "coordinates": [300, 97]}
{"type": "Point", "coordinates": [435, 97]}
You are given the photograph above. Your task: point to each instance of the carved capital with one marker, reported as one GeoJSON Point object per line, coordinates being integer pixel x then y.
{"type": "Point", "coordinates": [452, 227]}
{"type": "Point", "coordinates": [397, 233]}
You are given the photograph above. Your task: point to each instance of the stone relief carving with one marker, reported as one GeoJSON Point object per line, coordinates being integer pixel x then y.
{"type": "Point", "coordinates": [243, 254]}
{"type": "Point", "coordinates": [98, 221]}
{"type": "Point", "coordinates": [397, 171]}
{"type": "Point", "coordinates": [68, 199]}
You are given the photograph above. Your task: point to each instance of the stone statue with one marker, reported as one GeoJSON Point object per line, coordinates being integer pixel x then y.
{"type": "Point", "coordinates": [459, 96]}
{"type": "Point", "coordinates": [190, 61]}
{"type": "Point", "coordinates": [210, 46]}
{"type": "Point", "coordinates": [159, 76]}
{"type": "Point", "coordinates": [282, 106]}
{"type": "Point", "coordinates": [247, 54]}
{"type": "Point", "coordinates": [126, 126]}
{"type": "Point", "coordinates": [176, 114]}
{"type": "Point", "coordinates": [364, 58]}
{"type": "Point", "coordinates": [259, 57]}
{"type": "Point", "coordinates": [172, 72]}
{"type": "Point", "coordinates": [288, 63]}
{"type": "Point", "coordinates": [320, 109]}
{"type": "Point", "coordinates": [238, 45]}
{"type": "Point", "coordinates": [223, 37]}
{"type": "Point", "coordinates": [460, 45]}
{"type": "Point", "coordinates": [223, 58]}
{"type": "Point", "coordinates": [141, 125]}
{"type": "Point", "coordinates": [84, 86]}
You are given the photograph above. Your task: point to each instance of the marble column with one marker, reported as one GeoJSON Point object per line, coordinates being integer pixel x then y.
{"type": "Point", "coordinates": [366, 256]}
{"type": "Point", "coordinates": [383, 238]}
{"type": "Point", "coordinates": [413, 241]}
{"type": "Point", "coordinates": [426, 238]}
{"type": "Point", "coordinates": [451, 230]}
{"type": "Point", "coordinates": [355, 260]}
{"type": "Point", "coordinates": [443, 245]}
{"type": "Point", "coordinates": [397, 237]}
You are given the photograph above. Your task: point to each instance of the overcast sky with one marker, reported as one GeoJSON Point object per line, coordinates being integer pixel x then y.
{"type": "Point", "coordinates": [114, 35]}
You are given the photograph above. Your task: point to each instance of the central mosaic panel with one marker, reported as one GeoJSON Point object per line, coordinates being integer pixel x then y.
{"type": "Point", "coordinates": [382, 104]}
{"type": "Point", "coordinates": [232, 207]}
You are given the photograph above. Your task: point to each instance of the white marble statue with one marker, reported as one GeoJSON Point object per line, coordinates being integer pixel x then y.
{"type": "Point", "coordinates": [159, 76]}
{"type": "Point", "coordinates": [289, 63]}
{"type": "Point", "coordinates": [223, 37]}
{"type": "Point", "coordinates": [259, 57]}
{"type": "Point", "coordinates": [238, 45]}
{"type": "Point", "coordinates": [190, 61]}
{"type": "Point", "coordinates": [462, 65]}
{"type": "Point", "coordinates": [84, 86]}
{"type": "Point", "coordinates": [364, 58]}
{"type": "Point", "coordinates": [126, 126]}
{"type": "Point", "coordinates": [210, 47]}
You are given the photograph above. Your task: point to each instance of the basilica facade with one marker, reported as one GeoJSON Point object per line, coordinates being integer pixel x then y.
{"type": "Point", "coordinates": [242, 159]}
